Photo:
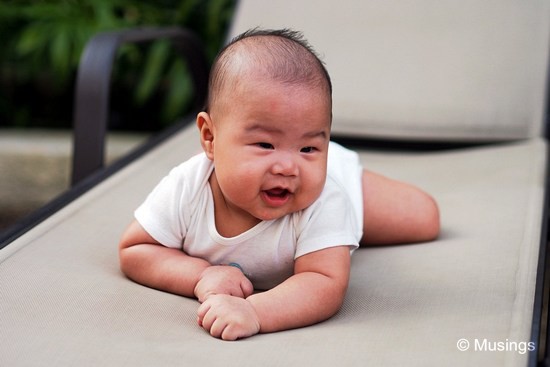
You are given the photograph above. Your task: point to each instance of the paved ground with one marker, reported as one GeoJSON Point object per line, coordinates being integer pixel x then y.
{"type": "Point", "coordinates": [35, 168]}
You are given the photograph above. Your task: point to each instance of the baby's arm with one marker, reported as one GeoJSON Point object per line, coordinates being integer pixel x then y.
{"type": "Point", "coordinates": [146, 261]}
{"type": "Point", "coordinates": [314, 293]}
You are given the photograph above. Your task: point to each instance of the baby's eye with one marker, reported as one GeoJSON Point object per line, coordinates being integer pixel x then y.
{"type": "Point", "coordinates": [265, 145]}
{"type": "Point", "coordinates": [307, 150]}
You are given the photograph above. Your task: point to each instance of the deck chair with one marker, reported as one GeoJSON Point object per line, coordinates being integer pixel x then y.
{"type": "Point", "coordinates": [448, 95]}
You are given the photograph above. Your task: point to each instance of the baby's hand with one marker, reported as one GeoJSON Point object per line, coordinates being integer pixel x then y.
{"type": "Point", "coordinates": [220, 279]}
{"type": "Point", "coordinates": [228, 318]}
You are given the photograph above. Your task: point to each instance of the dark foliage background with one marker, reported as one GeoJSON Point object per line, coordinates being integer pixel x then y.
{"type": "Point", "coordinates": [42, 42]}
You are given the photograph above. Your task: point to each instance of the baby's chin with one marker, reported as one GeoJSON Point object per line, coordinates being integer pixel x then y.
{"type": "Point", "coordinates": [277, 214]}
{"type": "Point", "coordinates": [272, 216]}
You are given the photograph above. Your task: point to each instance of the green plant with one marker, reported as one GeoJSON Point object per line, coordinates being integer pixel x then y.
{"type": "Point", "coordinates": [43, 41]}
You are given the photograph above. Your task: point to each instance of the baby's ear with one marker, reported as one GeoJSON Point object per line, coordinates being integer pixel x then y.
{"type": "Point", "coordinates": [206, 129]}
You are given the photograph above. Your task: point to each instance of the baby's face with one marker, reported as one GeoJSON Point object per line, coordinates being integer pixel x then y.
{"type": "Point", "coordinates": [270, 148]}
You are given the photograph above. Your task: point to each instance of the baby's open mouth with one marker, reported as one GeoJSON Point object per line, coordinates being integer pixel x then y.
{"type": "Point", "coordinates": [277, 196]}
{"type": "Point", "coordinates": [277, 193]}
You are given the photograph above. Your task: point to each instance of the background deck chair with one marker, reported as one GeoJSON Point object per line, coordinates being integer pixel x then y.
{"type": "Point", "coordinates": [449, 95]}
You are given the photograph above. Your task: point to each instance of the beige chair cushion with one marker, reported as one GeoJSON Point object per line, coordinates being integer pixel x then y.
{"type": "Point", "coordinates": [424, 70]}
{"type": "Point", "coordinates": [64, 302]}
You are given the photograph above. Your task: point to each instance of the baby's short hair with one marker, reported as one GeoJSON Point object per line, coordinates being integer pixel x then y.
{"type": "Point", "coordinates": [282, 55]}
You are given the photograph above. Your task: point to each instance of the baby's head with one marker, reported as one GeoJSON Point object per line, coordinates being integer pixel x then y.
{"type": "Point", "coordinates": [282, 56]}
{"type": "Point", "coordinates": [266, 125]}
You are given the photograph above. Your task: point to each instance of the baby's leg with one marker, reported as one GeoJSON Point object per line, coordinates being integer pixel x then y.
{"type": "Point", "coordinates": [396, 212]}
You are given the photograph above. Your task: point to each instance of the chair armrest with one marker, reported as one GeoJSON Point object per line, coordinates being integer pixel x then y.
{"type": "Point", "coordinates": [93, 88]}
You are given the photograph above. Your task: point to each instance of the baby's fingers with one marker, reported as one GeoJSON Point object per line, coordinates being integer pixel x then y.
{"type": "Point", "coordinates": [209, 321]}
{"type": "Point", "coordinates": [201, 313]}
{"type": "Point", "coordinates": [228, 317]}
{"type": "Point", "coordinates": [247, 288]}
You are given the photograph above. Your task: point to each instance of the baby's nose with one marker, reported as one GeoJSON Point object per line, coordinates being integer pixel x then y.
{"type": "Point", "coordinates": [285, 165]}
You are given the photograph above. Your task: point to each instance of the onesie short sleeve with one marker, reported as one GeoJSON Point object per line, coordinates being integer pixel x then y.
{"type": "Point", "coordinates": [329, 222]}
{"type": "Point", "coordinates": [166, 212]}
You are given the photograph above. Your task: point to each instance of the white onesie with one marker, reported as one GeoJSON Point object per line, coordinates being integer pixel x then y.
{"type": "Point", "coordinates": [179, 213]}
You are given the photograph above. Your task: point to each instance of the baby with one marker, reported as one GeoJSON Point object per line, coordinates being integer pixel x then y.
{"type": "Point", "coordinates": [261, 226]}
